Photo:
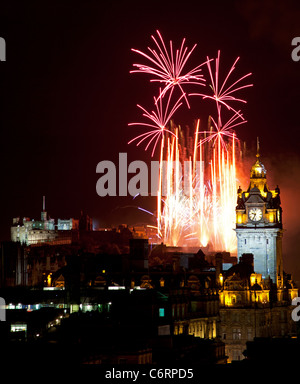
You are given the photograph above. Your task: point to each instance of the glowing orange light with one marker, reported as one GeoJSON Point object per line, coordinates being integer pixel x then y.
{"type": "Point", "coordinates": [203, 211]}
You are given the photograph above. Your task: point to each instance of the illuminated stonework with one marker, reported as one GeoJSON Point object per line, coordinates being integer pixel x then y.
{"type": "Point", "coordinates": [259, 224]}
{"type": "Point", "coordinates": [35, 232]}
{"type": "Point", "coordinates": [251, 307]}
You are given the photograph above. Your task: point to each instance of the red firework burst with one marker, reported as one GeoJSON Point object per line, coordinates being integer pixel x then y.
{"type": "Point", "coordinates": [159, 119]}
{"type": "Point", "coordinates": [168, 66]}
{"type": "Point", "coordinates": [222, 92]}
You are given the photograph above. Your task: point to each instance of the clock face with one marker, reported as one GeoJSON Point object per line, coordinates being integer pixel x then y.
{"type": "Point", "coordinates": [255, 214]}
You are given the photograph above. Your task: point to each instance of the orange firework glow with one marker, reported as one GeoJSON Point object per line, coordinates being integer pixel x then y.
{"type": "Point", "coordinates": [197, 176]}
{"type": "Point", "coordinates": [198, 207]}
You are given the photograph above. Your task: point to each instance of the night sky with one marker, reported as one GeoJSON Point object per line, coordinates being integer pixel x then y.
{"type": "Point", "coordinates": [67, 98]}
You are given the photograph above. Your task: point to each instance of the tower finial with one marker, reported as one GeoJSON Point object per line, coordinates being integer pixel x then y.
{"type": "Point", "coordinates": [257, 147]}
{"type": "Point", "coordinates": [44, 213]}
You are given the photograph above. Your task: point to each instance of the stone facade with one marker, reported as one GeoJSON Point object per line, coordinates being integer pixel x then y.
{"type": "Point", "coordinates": [256, 294]}
{"type": "Point", "coordinates": [259, 224]}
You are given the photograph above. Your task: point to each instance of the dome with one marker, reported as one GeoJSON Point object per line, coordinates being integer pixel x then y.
{"type": "Point", "coordinates": [258, 170]}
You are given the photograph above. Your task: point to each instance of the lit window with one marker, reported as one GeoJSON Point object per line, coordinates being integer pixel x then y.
{"type": "Point", "coordinates": [18, 328]}
{"type": "Point", "coordinates": [236, 333]}
{"type": "Point", "coordinates": [161, 312]}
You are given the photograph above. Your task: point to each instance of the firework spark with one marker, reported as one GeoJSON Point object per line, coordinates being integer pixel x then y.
{"type": "Point", "coordinates": [203, 212]}
{"type": "Point", "coordinates": [199, 208]}
{"type": "Point", "coordinates": [159, 119]}
{"type": "Point", "coordinates": [168, 66]}
{"type": "Point", "coordinates": [207, 213]}
{"type": "Point", "coordinates": [223, 93]}
{"type": "Point", "coordinates": [220, 133]}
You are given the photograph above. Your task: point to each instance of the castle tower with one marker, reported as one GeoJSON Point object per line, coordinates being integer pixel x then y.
{"type": "Point", "coordinates": [44, 212]}
{"type": "Point", "coordinates": [259, 224]}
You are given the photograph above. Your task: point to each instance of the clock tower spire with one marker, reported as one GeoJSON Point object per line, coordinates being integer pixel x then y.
{"type": "Point", "coordinates": [259, 223]}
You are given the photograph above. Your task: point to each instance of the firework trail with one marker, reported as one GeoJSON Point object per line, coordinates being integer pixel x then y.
{"type": "Point", "coordinates": [220, 133]}
{"type": "Point", "coordinates": [206, 213]}
{"type": "Point", "coordinates": [168, 67]}
{"type": "Point", "coordinates": [223, 173]}
{"type": "Point", "coordinates": [198, 208]}
{"type": "Point", "coordinates": [203, 210]}
{"type": "Point", "coordinates": [222, 92]}
{"type": "Point", "coordinates": [159, 120]}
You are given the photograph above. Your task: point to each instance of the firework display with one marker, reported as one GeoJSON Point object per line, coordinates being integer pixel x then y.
{"type": "Point", "coordinates": [159, 119]}
{"type": "Point", "coordinates": [168, 67]}
{"type": "Point", "coordinates": [196, 196]}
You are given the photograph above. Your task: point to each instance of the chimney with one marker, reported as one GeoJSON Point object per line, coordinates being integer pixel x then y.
{"type": "Point", "coordinates": [247, 258]}
{"type": "Point", "coordinates": [219, 264]}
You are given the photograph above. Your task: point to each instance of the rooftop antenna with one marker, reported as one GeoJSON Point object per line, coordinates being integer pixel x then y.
{"type": "Point", "coordinates": [44, 213]}
{"type": "Point", "coordinates": [257, 147]}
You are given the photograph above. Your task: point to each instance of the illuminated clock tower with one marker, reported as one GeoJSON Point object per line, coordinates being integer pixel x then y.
{"type": "Point", "coordinates": [259, 224]}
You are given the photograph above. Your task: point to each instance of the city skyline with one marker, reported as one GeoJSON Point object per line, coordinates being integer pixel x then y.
{"type": "Point", "coordinates": [150, 177]}
{"type": "Point", "coordinates": [59, 107]}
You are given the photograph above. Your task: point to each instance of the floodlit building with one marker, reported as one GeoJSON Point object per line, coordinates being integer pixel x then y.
{"type": "Point", "coordinates": [256, 294]}
{"type": "Point", "coordinates": [34, 232]}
